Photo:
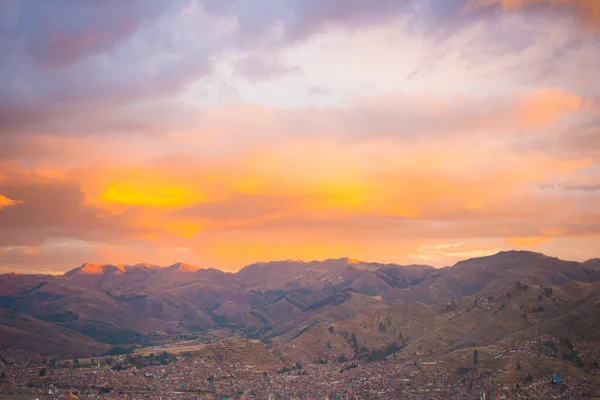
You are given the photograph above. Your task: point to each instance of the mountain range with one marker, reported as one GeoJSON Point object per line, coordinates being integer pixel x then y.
{"type": "Point", "coordinates": [316, 306]}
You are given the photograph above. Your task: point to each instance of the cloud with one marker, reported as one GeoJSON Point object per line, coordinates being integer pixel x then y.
{"type": "Point", "coordinates": [50, 207]}
{"type": "Point", "coordinates": [6, 202]}
{"type": "Point", "coordinates": [238, 208]}
{"type": "Point", "coordinates": [455, 251]}
{"type": "Point", "coordinates": [586, 10]}
{"type": "Point", "coordinates": [579, 188]}
{"type": "Point", "coordinates": [260, 67]}
{"type": "Point", "coordinates": [53, 50]}
{"type": "Point", "coordinates": [528, 242]}
{"type": "Point", "coordinates": [57, 35]}
{"type": "Point", "coordinates": [318, 90]}
{"type": "Point", "coordinates": [209, 127]}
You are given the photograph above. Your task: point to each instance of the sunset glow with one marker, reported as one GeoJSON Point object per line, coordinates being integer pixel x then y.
{"type": "Point", "coordinates": [218, 135]}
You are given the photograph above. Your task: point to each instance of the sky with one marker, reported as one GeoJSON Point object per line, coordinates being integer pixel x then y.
{"type": "Point", "coordinates": [222, 133]}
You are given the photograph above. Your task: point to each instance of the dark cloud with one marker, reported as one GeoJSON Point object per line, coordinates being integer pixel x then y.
{"type": "Point", "coordinates": [62, 58]}
{"type": "Point", "coordinates": [59, 34]}
{"type": "Point", "coordinates": [75, 56]}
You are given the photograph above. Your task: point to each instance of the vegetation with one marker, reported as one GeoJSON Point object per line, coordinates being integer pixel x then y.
{"type": "Point", "coordinates": [547, 291]}
{"type": "Point", "coordinates": [354, 342]}
{"type": "Point", "coordinates": [67, 316]}
{"type": "Point", "coordinates": [117, 350]}
{"type": "Point", "coordinates": [140, 361]}
{"type": "Point", "coordinates": [475, 357]}
{"type": "Point", "coordinates": [521, 286]}
{"type": "Point", "coordinates": [118, 367]}
{"type": "Point", "coordinates": [195, 328]}
{"type": "Point", "coordinates": [381, 354]}
{"type": "Point", "coordinates": [110, 335]}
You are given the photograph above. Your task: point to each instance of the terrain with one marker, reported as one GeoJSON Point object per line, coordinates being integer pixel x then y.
{"type": "Point", "coordinates": [512, 318]}
{"type": "Point", "coordinates": [23, 337]}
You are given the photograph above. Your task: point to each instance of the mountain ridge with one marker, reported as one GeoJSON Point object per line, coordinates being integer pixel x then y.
{"type": "Point", "coordinates": [275, 300]}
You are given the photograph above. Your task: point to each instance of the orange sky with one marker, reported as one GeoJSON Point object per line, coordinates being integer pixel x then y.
{"type": "Point", "coordinates": [400, 136]}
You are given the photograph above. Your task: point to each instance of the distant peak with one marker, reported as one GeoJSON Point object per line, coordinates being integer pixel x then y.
{"type": "Point", "coordinates": [528, 252]}
{"type": "Point", "coordinates": [346, 260]}
{"type": "Point", "coordinates": [87, 269]}
{"type": "Point", "coordinates": [145, 265]}
{"type": "Point", "coordinates": [96, 269]}
{"type": "Point", "coordinates": [91, 268]}
{"type": "Point", "coordinates": [182, 267]}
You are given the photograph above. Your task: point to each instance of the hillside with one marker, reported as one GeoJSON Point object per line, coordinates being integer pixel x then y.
{"type": "Point", "coordinates": [24, 336]}
{"type": "Point", "coordinates": [283, 301]}
{"type": "Point", "coordinates": [544, 330]}
{"type": "Point", "coordinates": [492, 272]}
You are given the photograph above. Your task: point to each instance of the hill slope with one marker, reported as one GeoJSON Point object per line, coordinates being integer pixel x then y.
{"type": "Point", "coordinates": [281, 299]}
{"type": "Point", "coordinates": [23, 335]}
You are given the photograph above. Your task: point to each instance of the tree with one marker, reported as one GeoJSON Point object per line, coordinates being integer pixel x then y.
{"type": "Point", "coordinates": [475, 357]}
{"type": "Point", "coordinates": [353, 341]}
{"type": "Point", "coordinates": [43, 372]}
